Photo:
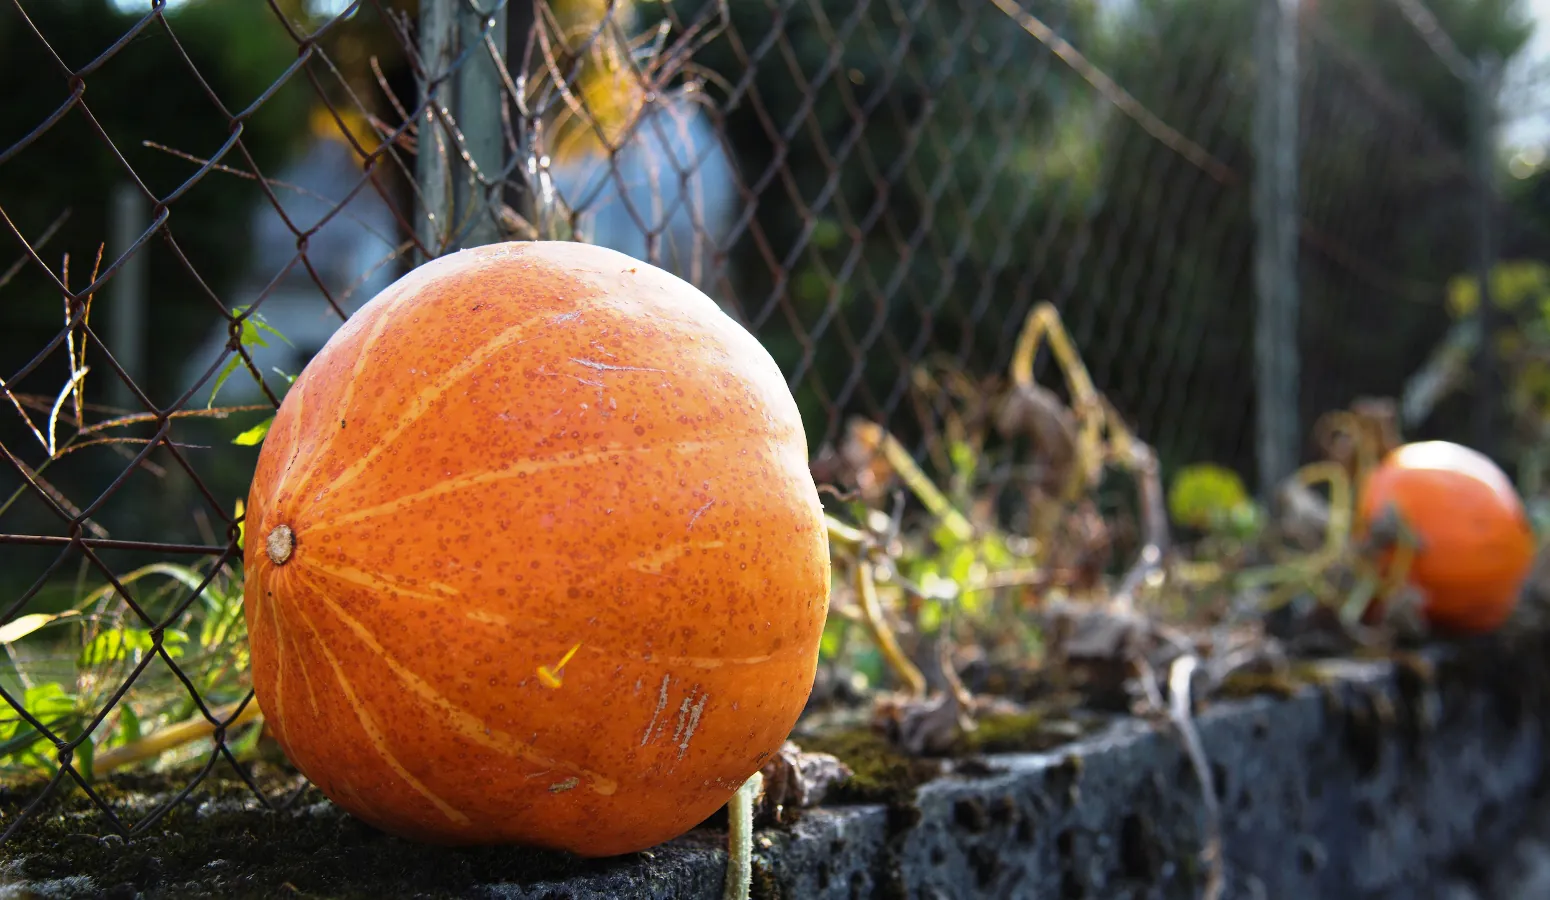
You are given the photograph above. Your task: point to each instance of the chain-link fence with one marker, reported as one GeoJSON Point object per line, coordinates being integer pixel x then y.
{"type": "Point", "coordinates": [199, 193]}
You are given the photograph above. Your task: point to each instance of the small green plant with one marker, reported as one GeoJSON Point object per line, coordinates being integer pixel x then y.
{"type": "Point", "coordinates": [1520, 290]}
{"type": "Point", "coordinates": [251, 335]}
{"type": "Point", "coordinates": [65, 667]}
{"type": "Point", "coordinates": [1212, 499]}
{"type": "Point", "coordinates": [963, 572]}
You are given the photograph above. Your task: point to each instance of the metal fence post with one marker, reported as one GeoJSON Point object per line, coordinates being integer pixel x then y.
{"type": "Point", "coordinates": [1488, 381]}
{"type": "Point", "coordinates": [454, 203]}
{"type": "Point", "coordinates": [479, 94]}
{"type": "Point", "coordinates": [1276, 236]}
{"type": "Point", "coordinates": [129, 215]}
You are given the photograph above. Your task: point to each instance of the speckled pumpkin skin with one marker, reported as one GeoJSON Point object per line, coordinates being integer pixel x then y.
{"type": "Point", "coordinates": [1477, 543]}
{"type": "Point", "coordinates": [511, 451]}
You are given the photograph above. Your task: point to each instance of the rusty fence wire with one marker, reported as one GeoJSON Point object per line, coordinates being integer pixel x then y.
{"type": "Point", "coordinates": [196, 194]}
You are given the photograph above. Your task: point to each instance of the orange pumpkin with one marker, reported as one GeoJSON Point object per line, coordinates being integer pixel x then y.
{"type": "Point", "coordinates": [534, 555]}
{"type": "Point", "coordinates": [1476, 543]}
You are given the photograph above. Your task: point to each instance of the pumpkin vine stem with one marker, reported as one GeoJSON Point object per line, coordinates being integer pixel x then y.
{"type": "Point", "coordinates": [739, 883]}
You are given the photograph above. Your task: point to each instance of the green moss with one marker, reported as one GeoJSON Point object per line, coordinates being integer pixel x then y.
{"type": "Point", "coordinates": [1032, 731]}
{"type": "Point", "coordinates": [880, 772]}
{"type": "Point", "coordinates": [1284, 684]}
{"type": "Point", "coordinates": [1241, 685]}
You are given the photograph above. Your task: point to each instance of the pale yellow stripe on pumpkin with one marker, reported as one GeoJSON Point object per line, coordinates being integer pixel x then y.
{"type": "Point", "coordinates": [374, 732]}
{"type": "Point", "coordinates": [466, 724]}
{"type": "Point", "coordinates": [487, 618]}
{"type": "Point", "coordinates": [271, 605]}
{"type": "Point", "coordinates": [251, 512]}
{"type": "Point", "coordinates": [373, 582]}
{"type": "Point", "coordinates": [298, 402]}
{"type": "Point", "coordinates": [421, 403]}
{"type": "Point", "coordinates": [379, 327]}
{"type": "Point", "coordinates": [369, 581]}
{"type": "Point", "coordinates": [515, 470]}
{"type": "Point", "coordinates": [713, 662]}
{"type": "Point", "coordinates": [306, 678]}
{"type": "Point", "coordinates": [652, 563]}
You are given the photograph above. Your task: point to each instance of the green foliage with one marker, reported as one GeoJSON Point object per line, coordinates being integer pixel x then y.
{"type": "Point", "coordinates": [252, 335]}
{"type": "Point", "coordinates": [1517, 285]}
{"type": "Point", "coordinates": [255, 435]}
{"type": "Point", "coordinates": [53, 707]}
{"type": "Point", "coordinates": [66, 666]}
{"type": "Point", "coordinates": [1520, 289]}
{"type": "Point", "coordinates": [1213, 498]}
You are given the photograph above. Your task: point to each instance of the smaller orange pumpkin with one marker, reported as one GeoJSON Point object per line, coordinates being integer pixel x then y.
{"type": "Point", "coordinates": [1476, 543]}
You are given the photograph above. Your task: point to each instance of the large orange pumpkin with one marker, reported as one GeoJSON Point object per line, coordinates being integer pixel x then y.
{"type": "Point", "coordinates": [534, 555]}
{"type": "Point", "coordinates": [1476, 543]}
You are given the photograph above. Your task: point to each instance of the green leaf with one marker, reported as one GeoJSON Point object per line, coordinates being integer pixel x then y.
{"type": "Point", "coordinates": [19, 628]}
{"type": "Point", "coordinates": [174, 642]}
{"type": "Point", "coordinates": [961, 565]}
{"type": "Point", "coordinates": [252, 325]}
{"type": "Point", "coordinates": [827, 234]}
{"type": "Point", "coordinates": [48, 699]}
{"type": "Point", "coordinates": [930, 620]}
{"type": "Point", "coordinates": [84, 760]}
{"type": "Point", "coordinates": [246, 741]}
{"type": "Point", "coordinates": [251, 335]}
{"type": "Point", "coordinates": [226, 370]}
{"type": "Point", "coordinates": [963, 459]}
{"type": "Point", "coordinates": [258, 323]}
{"type": "Point", "coordinates": [111, 646]}
{"type": "Point", "coordinates": [49, 703]}
{"type": "Point", "coordinates": [224, 610]}
{"type": "Point", "coordinates": [833, 638]}
{"type": "Point", "coordinates": [1205, 493]}
{"type": "Point", "coordinates": [944, 537]}
{"type": "Point", "coordinates": [128, 723]}
{"type": "Point", "coordinates": [994, 552]}
{"type": "Point", "coordinates": [253, 435]}
{"type": "Point", "coordinates": [43, 702]}
{"type": "Point", "coordinates": [102, 649]}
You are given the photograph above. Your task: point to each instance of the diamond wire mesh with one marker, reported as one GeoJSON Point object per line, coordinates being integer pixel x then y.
{"type": "Point", "coordinates": [1377, 263]}
{"type": "Point", "coordinates": [1372, 319]}
{"type": "Point", "coordinates": [880, 190]}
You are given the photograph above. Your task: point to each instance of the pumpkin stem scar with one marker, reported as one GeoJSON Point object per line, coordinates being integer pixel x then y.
{"type": "Point", "coordinates": [550, 677]}
{"type": "Point", "coordinates": [280, 544]}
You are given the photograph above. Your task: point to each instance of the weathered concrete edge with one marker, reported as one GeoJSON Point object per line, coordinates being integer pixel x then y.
{"type": "Point", "coordinates": [1372, 787]}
